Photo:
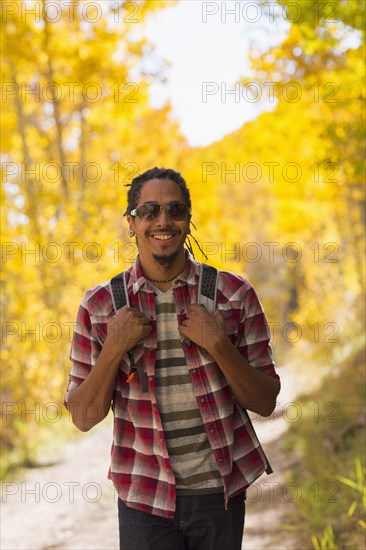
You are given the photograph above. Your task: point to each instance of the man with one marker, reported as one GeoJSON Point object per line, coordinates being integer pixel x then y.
{"type": "Point", "coordinates": [179, 380]}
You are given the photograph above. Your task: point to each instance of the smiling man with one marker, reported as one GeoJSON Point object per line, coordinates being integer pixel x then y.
{"type": "Point", "coordinates": [179, 380]}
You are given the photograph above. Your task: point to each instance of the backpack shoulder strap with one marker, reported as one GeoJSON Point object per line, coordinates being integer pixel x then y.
{"type": "Point", "coordinates": [119, 291]}
{"type": "Point", "coordinates": [120, 299]}
{"type": "Point", "coordinates": [207, 287]}
{"type": "Point", "coordinates": [207, 290]}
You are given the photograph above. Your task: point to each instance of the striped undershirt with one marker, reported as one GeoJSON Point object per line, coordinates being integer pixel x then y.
{"type": "Point", "coordinates": [190, 453]}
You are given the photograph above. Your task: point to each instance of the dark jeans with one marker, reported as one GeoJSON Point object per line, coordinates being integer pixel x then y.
{"type": "Point", "coordinates": [200, 523]}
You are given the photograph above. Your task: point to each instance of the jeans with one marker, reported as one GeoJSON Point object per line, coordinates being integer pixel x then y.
{"type": "Point", "coordinates": [201, 523]}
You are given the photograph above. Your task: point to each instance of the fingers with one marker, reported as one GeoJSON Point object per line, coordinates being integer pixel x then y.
{"type": "Point", "coordinates": [196, 307]}
{"type": "Point", "coordinates": [131, 311]}
{"type": "Point", "coordinates": [131, 320]}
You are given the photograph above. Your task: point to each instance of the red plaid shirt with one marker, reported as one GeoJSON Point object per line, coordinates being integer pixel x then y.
{"type": "Point", "coordinates": [140, 467]}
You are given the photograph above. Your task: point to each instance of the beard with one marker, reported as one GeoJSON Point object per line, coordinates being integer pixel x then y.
{"type": "Point", "coordinates": [166, 260]}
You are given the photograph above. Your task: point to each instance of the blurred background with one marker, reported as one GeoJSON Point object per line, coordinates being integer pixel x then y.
{"type": "Point", "coordinates": [260, 105]}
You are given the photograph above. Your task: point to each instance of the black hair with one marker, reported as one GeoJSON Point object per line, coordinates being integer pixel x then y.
{"type": "Point", "coordinates": [155, 173]}
{"type": "Point", "coordinates": [135, 186]}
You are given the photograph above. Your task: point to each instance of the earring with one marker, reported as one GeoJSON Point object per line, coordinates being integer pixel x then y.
{"type": "Point", "coordinates": [131, 233]}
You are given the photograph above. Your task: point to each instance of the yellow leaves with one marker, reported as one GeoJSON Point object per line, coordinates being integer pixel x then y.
{"type": "Point", "coordinates": [287, 177]}
{"type": "Point", "coordinates": [43, 57]}
{"type": "Point", "coordinates": [71, 106]}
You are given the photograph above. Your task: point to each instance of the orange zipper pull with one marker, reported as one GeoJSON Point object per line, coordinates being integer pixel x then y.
{"type": "Point", "coordinates": [131, 376]}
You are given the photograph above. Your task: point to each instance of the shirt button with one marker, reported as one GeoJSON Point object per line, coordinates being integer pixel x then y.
{"type": "Point", "coordinates": [182, 310]}
{"type": "Point", "coordinates": [194, 371]}
{"type": "Point", "coordinates": [167, 470]}
{"type": "Point", "coordinates": [212, 431]}
{"type": "Point", "coordinates": [202, 400]}
{"type": "Point", "coordinates": [151, 378]}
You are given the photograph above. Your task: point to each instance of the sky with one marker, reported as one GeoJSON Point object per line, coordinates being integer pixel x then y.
{"type": "Point", "coordinates": [206, 45]}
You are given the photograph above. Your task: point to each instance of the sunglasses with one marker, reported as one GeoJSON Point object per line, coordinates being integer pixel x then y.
{"type": "Point", "coordinates": [148, 211]}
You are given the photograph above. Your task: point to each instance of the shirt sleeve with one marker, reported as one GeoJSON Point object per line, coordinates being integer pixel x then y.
{"type": "Point", "coordinates": [85, 349]}
{"type": "Point", "coordinates": [254, 336]}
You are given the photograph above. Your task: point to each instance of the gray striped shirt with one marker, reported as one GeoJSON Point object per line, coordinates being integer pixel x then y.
{"type": "Point", "coordinates": [190, 453]}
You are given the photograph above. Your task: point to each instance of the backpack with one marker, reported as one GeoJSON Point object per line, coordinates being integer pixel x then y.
{"type": "Point", "coordinates": [207, 290]}
{"type": "Point", "coordinates": [207, 287]}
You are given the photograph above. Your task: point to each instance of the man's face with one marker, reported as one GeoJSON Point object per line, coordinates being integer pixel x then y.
{"type": "Point", "coordinates": [161, 239]}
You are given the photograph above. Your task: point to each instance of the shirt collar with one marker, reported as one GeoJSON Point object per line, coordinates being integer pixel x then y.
{"type": "Point", "coordinates": [137, 279]}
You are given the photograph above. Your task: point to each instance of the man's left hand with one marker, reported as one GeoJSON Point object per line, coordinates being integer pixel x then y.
{"type": "Point", "coordinates": [205, 330]}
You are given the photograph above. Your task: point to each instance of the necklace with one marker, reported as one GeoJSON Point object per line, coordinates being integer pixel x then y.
{"type": "Point", "coordinates": [164, 280]}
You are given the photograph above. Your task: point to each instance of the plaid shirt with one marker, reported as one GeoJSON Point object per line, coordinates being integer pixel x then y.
{"type": "Point", "coordinates": [140, 467]}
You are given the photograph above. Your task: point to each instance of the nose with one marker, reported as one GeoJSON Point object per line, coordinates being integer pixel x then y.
{"type": "Point", "coordinates": [163, 218]}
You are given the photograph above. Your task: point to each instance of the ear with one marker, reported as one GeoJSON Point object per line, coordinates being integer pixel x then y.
{"type": "Point", "coordinates": [130, 221]}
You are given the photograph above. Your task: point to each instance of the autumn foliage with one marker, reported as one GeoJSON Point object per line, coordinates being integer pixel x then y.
{"type": "Point", "coordinates": [281, 200]}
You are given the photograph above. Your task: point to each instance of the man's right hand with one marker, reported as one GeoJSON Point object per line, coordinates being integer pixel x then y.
{"type": "Point", "coordinates": [125, 330]}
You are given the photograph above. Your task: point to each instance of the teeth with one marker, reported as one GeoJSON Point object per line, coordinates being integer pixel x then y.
{"type": "Point", "coordinates": [163, 237]}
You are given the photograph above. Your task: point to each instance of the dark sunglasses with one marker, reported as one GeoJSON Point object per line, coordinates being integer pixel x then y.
{"type": "Point", "coordinates": [148, 211]}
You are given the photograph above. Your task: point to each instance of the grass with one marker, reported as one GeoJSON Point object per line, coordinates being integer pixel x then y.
{"type": "Point", "coordinates": [33, 445]}
{"type": "Point", "coordinates": [330, 441]}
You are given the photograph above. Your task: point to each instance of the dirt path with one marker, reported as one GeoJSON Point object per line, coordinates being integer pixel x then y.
{"type": "Point", "coordinates": [270, 501]}
{"type": "Point", "coordinates": [72, 506]}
